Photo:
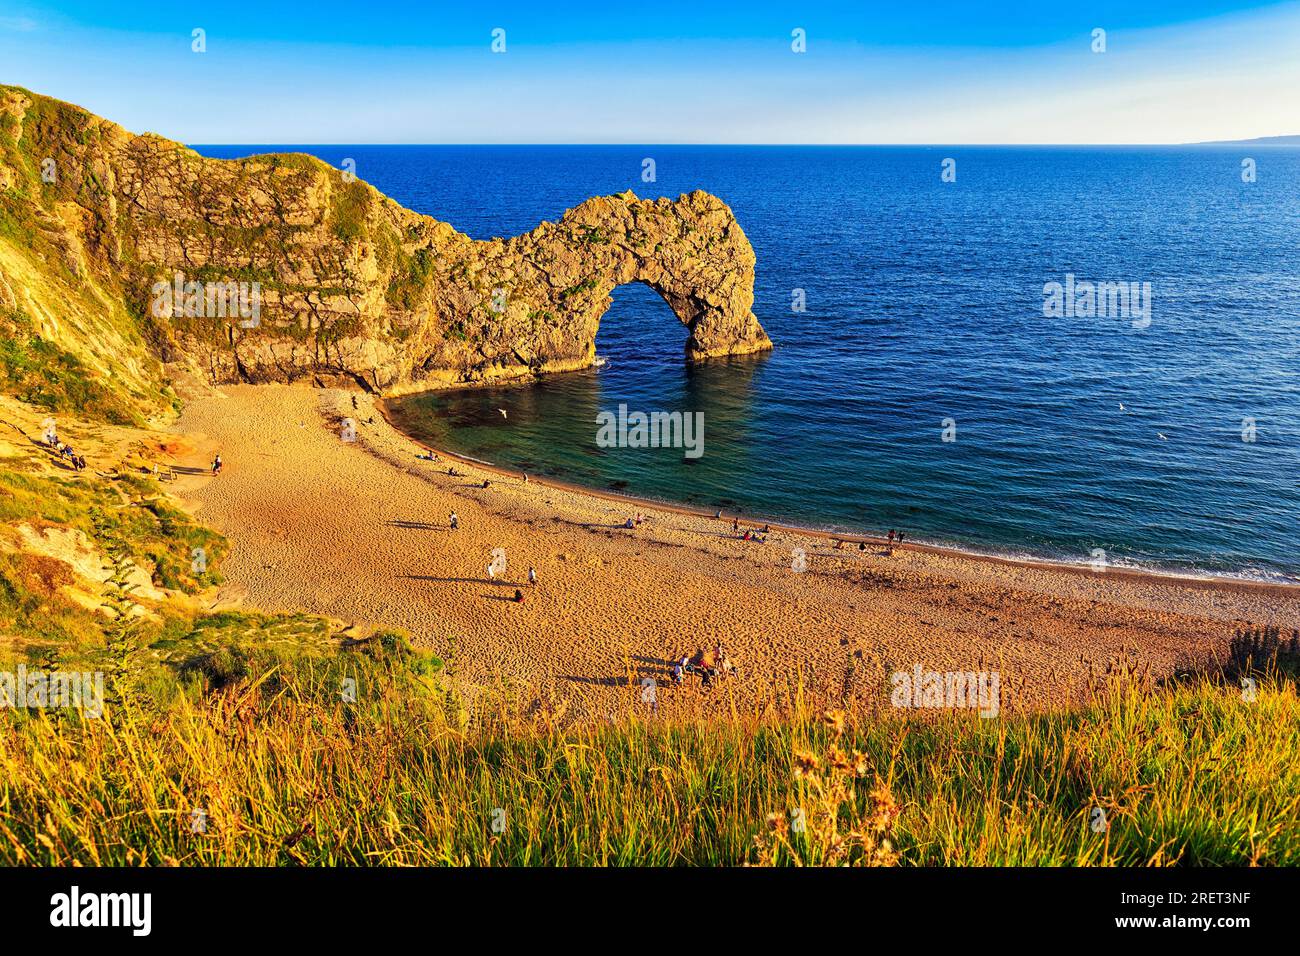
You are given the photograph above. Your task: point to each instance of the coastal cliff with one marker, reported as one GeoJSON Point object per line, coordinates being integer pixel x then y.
{"type": "Point", "coordinates": [346, 286]}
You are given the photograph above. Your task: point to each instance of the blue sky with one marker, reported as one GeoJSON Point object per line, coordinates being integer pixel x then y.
{"type": "Point", "coordinates": [668, 71]}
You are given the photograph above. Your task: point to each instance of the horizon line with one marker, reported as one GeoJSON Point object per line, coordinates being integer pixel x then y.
{"type": "Point", "coordinates": [1255, 141]}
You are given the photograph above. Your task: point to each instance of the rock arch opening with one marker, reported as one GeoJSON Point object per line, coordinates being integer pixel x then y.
{"type": "Point", "coordinates": [640, 325]}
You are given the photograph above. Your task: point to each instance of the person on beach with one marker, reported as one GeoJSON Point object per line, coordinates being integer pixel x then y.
{"type": "Point", "coordinates": [455, 521]}
{"type": "Point", "coordinates": [486, 483]}
{"type": "Point", "coordinates": [735, 526]}
{"type": "Point", "coordinates": [900, 539]}
{"type": "Point", "coordinates": [629, 523]}
{"type": "Point", "coordinates": [216, 465]}
{"type": "Point", "coordinates": [492, 572]}
{"type": "Point", "coordinates": [718, 516]}
{"type": "Point", "coordinates": [525, 477]}
{"type": "Point", "coordinates": [532, 577]}
{"type": "Point", "coordinates": [679, 671]}
{"type": "Point", "coordinates": [519, 596]}
{"type": "Point", "coordinates": [891, 536]}
{"type": "Point", "coordinates": [354, 402]}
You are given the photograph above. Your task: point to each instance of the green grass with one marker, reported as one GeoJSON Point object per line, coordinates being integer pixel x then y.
{"type": "Point", "coordinates": [40, 373]}
{"type": "Point", "coordinates": [130, 515]}
{"type": "Point", "coordinates": [351, 204]}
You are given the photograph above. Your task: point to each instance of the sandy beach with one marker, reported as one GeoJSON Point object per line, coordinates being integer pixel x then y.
{"type": "Point", "coordinates": [358, 531]}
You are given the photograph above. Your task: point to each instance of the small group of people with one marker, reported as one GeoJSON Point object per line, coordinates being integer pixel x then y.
{"type": "Point", "coordinates": [519, 594]}
{"type": "Point", "coordinates": [66, 453]}
{"type": "Point", "coordinates": [708, 664]}
{"type": "Point", "coordinates": [750, 534]}
{"type": "Point", "coordinates": [895, 537]}
{"type": "Point", "coordinates": [532, 574]}
{"type": "Point", "coordinates": [635, 522]}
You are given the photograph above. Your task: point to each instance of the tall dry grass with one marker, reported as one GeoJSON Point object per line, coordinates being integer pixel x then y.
{"type": "Point", "coordinates": [288, 773]}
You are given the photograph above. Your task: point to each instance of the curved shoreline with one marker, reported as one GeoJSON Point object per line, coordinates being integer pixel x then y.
{"type": "Point", "coordinates": [1208, 581]}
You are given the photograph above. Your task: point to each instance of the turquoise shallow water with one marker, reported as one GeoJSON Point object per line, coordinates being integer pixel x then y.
{"type": "Point", "coordinates": [925, 303]}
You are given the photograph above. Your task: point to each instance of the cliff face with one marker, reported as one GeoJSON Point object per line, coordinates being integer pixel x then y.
{"type": "Point", "coordinates": [347, 284]}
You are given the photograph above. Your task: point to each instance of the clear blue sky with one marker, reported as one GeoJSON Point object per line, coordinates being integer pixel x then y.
{"type": "Point", "coordinates": [646, 71]}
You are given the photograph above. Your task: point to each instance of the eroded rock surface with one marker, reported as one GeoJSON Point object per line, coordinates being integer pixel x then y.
{"type": "Point", "coordinates": [353, 287]}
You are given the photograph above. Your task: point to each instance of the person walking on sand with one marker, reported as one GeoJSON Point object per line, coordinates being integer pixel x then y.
{"type": "Point", "coordinates": [891, 536]}
{"type": "Point", "coordinates": [216, 465]}
{"type": "Point", "coordinates": [455, 521]}
{"type": "Point", "coordinates": [900, 539]}
{"type": "Point", "coordinates": [519, 596]}
{"type": "Point", "coordinates": [492, 572]}
{"type": "Point", "coordinates": [532, 577]}
{"type": "Point", "coordinates": [735, 526]}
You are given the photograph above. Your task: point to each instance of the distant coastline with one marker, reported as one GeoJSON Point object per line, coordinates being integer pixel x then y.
{"type": "Point", "coordinates": [1292, 140]}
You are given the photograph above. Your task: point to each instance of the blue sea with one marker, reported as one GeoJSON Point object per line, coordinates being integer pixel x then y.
{"type": "Point", "coordinates": [924, 320]}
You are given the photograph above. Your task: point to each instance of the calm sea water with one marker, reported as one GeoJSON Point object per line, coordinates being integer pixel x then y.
{"type": "Point", "coordinates": [925, 303]}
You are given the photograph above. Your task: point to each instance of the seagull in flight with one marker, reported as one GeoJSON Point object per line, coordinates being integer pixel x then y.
{"type": "Point", "coordinates": [1162, 435]}
{"type": "Point", "coordinates": [503, 412]}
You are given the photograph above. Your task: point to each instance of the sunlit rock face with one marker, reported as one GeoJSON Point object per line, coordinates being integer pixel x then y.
{"type": "Point", "coordinates": [282, 268]}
